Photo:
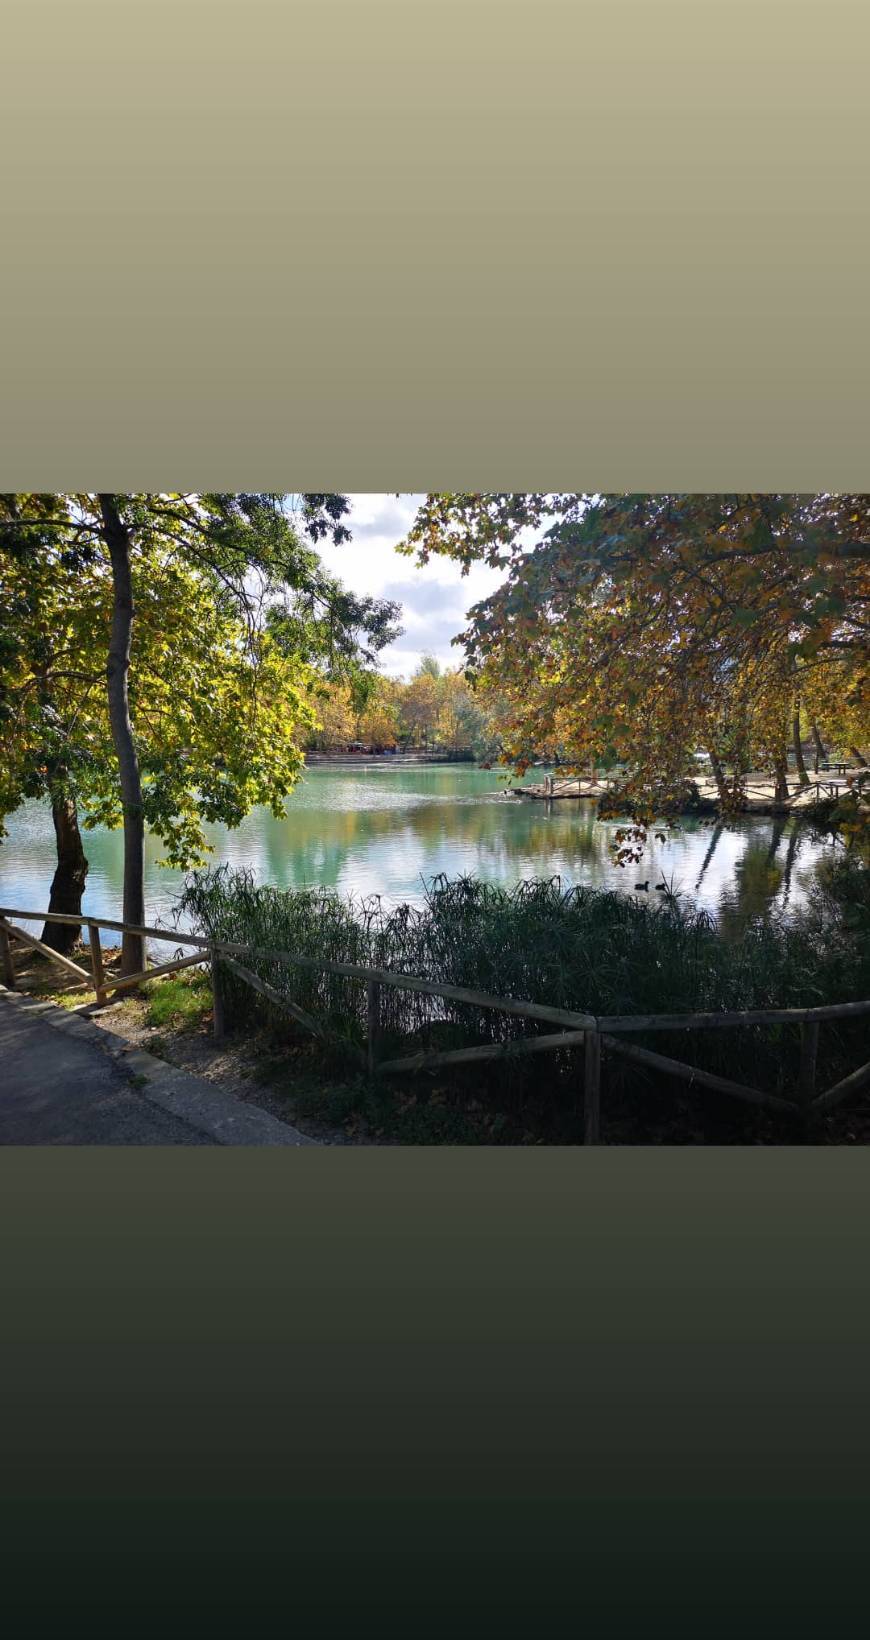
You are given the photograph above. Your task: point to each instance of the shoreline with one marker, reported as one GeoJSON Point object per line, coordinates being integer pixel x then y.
{"type": "Point", "coordinates": [391, 760]}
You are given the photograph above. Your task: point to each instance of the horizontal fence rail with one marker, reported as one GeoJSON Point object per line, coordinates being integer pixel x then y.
{"type": "Point", "coordinates": [592, 1033]}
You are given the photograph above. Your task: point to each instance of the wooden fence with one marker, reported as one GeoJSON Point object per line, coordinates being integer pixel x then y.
{"type": "Point", "coordinates": [597, 1036]}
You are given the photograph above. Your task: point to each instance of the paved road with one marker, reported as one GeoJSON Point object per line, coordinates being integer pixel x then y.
{"type": "Point", "coordinates": [65, 1081]}
{"type": "Point", "coordinates": [56, 1089]}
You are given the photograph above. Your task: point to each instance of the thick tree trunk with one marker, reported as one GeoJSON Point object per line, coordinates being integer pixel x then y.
{"type": "Point", "coordinates": [803, 777]}
{"type": "Point", "coordinates": [718, 775]}
{"type": "Point", "coordinates": [859, 757]}
{"type": "Point", "coordinates": [68, 883]}
{"type": "Point", "coordinates": [118, 542]}
{"type": "Point", "coordinates": [821, 754]}
{"type": "Point", "coordinates": [780, 766]}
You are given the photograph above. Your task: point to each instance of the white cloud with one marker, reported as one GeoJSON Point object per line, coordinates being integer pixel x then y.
{"type": "Point", "coordinates": [434, 600]}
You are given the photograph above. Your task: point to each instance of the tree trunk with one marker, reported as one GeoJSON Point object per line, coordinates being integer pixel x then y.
{"type": "Point", "coordinates": [780, 766]}
{"type": "Point", "coordinates": [859, 757]}
{"type": "Point", "coordinates": [718, 775]}
{"type": "Point", "coordinates": [118, 542]}
{"type": "Point", "coordinates": [803, 777]}
{"type": "Point", "coordinates": [68, 883]}
{"type": "Point", "coordinates": [821, 754]}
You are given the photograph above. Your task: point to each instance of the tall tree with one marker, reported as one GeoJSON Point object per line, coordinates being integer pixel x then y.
{"type": "Point", "coordinates": [421, 702]}
{"type": "Point", "coordinates": [117, 537]}
{"type": "Point", "coordinates": [378, 722]}
{"type": "Point", "coordinates": [234, 559]}
{"type": "Point", "coordinates": [52, 611]}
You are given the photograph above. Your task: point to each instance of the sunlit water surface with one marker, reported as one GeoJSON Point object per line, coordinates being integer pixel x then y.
{"type": "Point", "coordinates": [389, 830]}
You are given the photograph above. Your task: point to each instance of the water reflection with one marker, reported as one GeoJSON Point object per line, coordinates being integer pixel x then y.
{"type": "Point", "coordinates": [386, 831]}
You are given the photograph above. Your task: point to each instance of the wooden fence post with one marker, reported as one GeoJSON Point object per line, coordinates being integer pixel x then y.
{"type": "Point", "coordinates": [218, 1024]}
{"type": "Point", "coordinates": [592, 1089]}
{"type": "Point", "coordinates": [807, 1072]}
{"type": "Point", "coordinates": [97, 962]}
{"type": "Point", "coordinates": [6, 953]}
{"type": "Point", "coordinates": [373, 1029]}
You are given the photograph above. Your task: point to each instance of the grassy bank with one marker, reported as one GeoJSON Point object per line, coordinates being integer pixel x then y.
{"type": "Point", "coordinates": [573, 948]}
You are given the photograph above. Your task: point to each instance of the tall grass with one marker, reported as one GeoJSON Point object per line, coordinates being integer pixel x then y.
{"type": "Point", "coordinates": [576, 948]}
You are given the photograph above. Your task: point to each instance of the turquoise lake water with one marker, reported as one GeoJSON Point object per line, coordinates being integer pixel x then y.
{"type": "Point", "coordinates": [387, 830]}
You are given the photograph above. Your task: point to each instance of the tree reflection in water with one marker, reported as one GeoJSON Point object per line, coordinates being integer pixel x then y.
{"type": "Point", "coordinates": [386, 831]}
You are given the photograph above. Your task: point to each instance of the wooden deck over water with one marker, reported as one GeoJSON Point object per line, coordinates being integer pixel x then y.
{"type": "Point", "coordinates": [760, 791]}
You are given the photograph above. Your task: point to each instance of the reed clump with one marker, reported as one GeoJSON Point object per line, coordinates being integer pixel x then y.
{"type": "Point", "coordinates": [569, 947]}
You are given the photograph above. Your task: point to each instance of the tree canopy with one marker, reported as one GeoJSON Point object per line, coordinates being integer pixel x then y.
{"type": "Point", "coordinates": [640, 628]}
{"type": "Point", "coordinates": [231, 619]}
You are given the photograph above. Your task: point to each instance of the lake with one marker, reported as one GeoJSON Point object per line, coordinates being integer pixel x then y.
{"type": "Point", "coordinates": [385, 829]}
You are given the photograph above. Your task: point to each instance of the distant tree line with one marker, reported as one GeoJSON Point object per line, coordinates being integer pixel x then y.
{"type": "Point", "coordinates": [435, 710]}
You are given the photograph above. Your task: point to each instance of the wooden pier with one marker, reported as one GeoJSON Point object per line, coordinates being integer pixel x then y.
{"type": "Point", "coordinates": [760, 791]}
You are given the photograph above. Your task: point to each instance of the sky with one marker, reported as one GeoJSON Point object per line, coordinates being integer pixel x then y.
{"type": "Point", "coordinates": [434, 600]}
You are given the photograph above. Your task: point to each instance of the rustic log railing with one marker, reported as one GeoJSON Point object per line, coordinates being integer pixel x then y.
{"type": "Point", "coordinates": [597, 1035]}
